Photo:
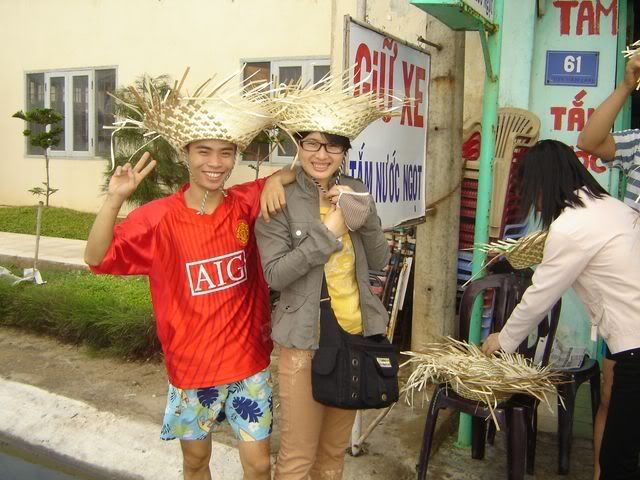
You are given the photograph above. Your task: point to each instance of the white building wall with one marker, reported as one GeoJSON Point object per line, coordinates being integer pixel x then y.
{"type": "Point", "coordinates": [164, 37]}
{"type": "Point", "coordinates": [143, 36]}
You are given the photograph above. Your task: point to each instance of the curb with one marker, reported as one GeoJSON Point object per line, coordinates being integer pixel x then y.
{"type": "Point", "coordinates": [43, 263]}
{"type": "Point", "coordinates": [72, 430]}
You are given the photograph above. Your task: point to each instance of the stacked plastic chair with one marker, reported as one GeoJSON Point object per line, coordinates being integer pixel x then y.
{"type": "Point", "coordinates": [469, 187]}
{"type": "Point", "coordinates": [516, 131]}
{"type": "Point", "coordinates": [468, 203]}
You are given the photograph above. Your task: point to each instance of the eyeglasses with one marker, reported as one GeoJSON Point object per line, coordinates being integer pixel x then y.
{"type": "Point", "coordinates": [313, 146]}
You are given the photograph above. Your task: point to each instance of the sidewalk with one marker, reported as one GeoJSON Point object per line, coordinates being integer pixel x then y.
{"type": "Point", "coordinates": [59, 253]}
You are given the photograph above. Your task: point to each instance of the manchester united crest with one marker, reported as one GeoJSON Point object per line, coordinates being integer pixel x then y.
{"type": "Point", "coordinates": [242, 232]}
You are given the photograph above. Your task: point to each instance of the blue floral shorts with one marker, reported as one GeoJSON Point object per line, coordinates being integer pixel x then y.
{"type": "Point", "coordinates": [246, 404]}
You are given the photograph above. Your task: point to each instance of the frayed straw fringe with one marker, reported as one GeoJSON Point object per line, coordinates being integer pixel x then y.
{"type": "Point", "coordinates": [226, 110]}
{"type": "Point", "coordinates": [331, 106]}
{"type": "Point", "coordinates": [631, 51]}
{"type": "Point", "coordinates": [476, 376]}
{"type": "Point", "coordinates": [523, 253]}
{"type": "Point", "coordinates": [238, 112]}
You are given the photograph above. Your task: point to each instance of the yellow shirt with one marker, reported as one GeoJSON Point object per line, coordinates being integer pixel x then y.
{"type": "Point", "coordinates": [340, 271]}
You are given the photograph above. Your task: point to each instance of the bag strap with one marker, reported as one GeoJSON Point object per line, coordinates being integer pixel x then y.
{"type": "Point", "coordinates": [324, 291]}
{"type": "Point", "coordinates": [330, 331]}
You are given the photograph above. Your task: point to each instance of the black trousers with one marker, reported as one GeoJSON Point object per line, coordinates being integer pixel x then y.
{"type": "Point", "coordinates": [621, 440]}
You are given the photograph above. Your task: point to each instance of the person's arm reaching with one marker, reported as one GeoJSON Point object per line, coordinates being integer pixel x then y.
{"type": "Point", "coordinates": [596, 138]}
{"type": "Point", "coordinates": [121, 185]}
{"type": "Point", "coordinates": [563, 262]}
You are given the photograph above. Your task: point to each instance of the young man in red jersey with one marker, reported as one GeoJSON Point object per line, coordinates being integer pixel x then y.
{"type": "Point", "coordinates": [209, 296]}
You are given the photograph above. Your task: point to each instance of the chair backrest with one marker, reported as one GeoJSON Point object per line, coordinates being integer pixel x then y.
{"type": "Point", "coordinates": [471, 136]}
{"type": "Point", "coordinates": [516, 127]}
{"type": "Point", "coordinates": [508, 290]}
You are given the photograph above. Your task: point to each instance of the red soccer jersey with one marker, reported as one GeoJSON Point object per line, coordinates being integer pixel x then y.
{"type": "Point", "coordinates": [209, 295]}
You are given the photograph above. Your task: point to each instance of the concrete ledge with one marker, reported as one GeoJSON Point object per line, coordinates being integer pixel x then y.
{"type": "Point", "coordinates": [16, 449]}
{"type": "Point", "coordinates": [74, 430]}
{"type": "Point", "coordinates": [43, 264]}
{"type": "Point", "coordinates": [64, 253]}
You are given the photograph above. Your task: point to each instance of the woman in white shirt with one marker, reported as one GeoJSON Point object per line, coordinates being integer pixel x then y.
{"type": "Point", "coordinates": [593, 245]}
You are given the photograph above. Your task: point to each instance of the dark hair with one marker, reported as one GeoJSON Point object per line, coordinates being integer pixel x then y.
{"type": "Point", "coordinates": [344, 142]}
{"type": "Point", "coordinates": [550, 175]}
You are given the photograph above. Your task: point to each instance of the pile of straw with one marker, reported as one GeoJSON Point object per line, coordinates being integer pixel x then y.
{"type": "Point", "coordinates": [476, 376]}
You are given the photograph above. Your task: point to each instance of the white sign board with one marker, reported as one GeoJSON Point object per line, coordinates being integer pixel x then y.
{"type": "Point", "coordinates": [483, 7]}
{"type": "Point", "coordinates": [389, 156]}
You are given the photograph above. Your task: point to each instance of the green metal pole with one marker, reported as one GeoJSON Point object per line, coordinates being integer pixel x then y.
{"type": "Point", "coordinates": [492, 54]}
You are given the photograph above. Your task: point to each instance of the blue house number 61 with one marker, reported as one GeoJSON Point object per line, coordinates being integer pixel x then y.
{"type": "Point", "coordinates": [572, 64]}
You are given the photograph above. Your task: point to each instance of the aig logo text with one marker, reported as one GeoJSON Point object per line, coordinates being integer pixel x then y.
{"type": "Point", "coordinates": [217, 273]}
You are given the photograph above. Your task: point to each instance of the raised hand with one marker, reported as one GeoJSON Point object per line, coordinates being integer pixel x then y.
{"type": "Point", "coordinates": [632, 72]}
{"type": "Point", "coordinates": [334, 193]}
{"type": "Point", "coordinates": [126, 178]}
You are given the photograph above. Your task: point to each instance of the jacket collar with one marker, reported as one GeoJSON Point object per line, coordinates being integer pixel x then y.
{"type": "Point", "coordinates": [306, 184]}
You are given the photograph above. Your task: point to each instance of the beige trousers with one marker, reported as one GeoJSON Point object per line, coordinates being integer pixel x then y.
{"type": "Point", "coordinates": [313, 437]}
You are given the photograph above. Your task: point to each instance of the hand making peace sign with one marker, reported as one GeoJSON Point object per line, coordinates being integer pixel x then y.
{"type": "Point", "coordinates": [126, 178]}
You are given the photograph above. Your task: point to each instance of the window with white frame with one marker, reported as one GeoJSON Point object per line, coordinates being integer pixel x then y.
{"type": "Point", "coordinates": [280, 71]}
{"type": "Point", "coordinates": [81, 96]}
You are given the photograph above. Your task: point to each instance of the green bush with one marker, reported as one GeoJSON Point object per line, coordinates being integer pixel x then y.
{"type": "Point", "coordinates": [111, 314]}
{"type": "Point", "coordinates": [56, 222]}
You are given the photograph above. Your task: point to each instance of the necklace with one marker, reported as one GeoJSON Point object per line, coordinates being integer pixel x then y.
{"type": "Point", "coordinates": [321, 188]}
{"type": "Point", "coordinates": [204, 201]}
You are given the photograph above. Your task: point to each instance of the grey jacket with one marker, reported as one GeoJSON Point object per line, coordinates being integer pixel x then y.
{"type": "Point", "coordinates": [294, 247]}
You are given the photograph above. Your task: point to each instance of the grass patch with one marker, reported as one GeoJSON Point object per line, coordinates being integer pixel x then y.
{"type": "Point", "coordinates": [56, 222]}
{"type": "Point", "coordinates": [110, 314]}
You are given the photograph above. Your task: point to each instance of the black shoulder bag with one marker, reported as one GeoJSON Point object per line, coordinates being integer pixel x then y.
{"type": "Point", "coordinates": [352, 371]}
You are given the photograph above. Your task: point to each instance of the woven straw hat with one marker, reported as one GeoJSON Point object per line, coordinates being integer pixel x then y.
{"type": "Point", "coordinates": [528, 252]}
{"type": "Point", "coordinates": [235, 114]}
{"type": "Point", "coordinates": [329, 107]}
